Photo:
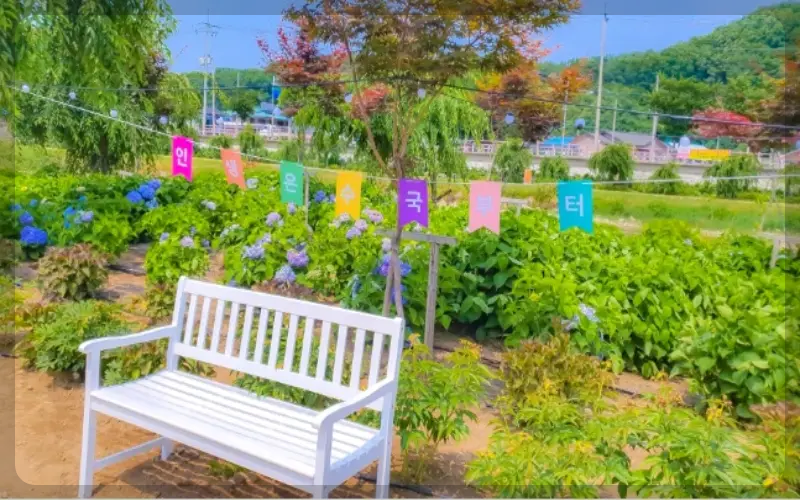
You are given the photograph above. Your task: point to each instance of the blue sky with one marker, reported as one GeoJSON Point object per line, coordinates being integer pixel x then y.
{"type": "Point", "coordinates": [634, 25]}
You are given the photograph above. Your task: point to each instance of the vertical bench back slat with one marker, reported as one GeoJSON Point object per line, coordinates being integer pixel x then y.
{"type": "Point", "coordinates": [307, 321]}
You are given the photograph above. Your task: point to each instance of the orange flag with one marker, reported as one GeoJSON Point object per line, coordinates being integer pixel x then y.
{"type": "Point", "coordinates": [232, 161]}
{"type": "Point", "coordinates": [528, 176]}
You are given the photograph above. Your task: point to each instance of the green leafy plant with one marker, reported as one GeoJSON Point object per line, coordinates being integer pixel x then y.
{"type": "Point", "coordinates": [165, 263]}
{"type": "Point", "coordinates": [131, 363]}
{"type": "Point", "coordinates": [57, 333]}
{"type": "Point", "coordinates": [554, 167]}
{"type": "Point", "coordinates": [435, 400]}
{"type": "Point", "coordinates": [249, 141]}
{"type": "Point", "coordinates": [72, 273]}
{"type": "Point", "coordinates": [613, 162]}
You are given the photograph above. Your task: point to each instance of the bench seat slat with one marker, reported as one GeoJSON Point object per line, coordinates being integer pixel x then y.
{"type": "Point", "coordinates": [284, 438]}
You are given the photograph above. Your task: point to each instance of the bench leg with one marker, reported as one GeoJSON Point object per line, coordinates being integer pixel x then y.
{"type": "Point", "coordinates": [383, 477]}
{"type": "Point", "coordinates": [166, 448]}
{"type": "Point", "coordinates": [86, 479]}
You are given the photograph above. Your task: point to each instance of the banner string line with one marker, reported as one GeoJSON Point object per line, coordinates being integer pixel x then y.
{"type": "Point", "coordinates": [512, 95]}
{"type": "Point", "coordinates": [390, 179]}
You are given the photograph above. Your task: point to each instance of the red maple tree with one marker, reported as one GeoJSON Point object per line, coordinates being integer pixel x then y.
{"type": "Point", "coordinates": [713, 122]}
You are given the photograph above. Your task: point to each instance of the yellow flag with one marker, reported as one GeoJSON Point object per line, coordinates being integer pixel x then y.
{"type": "Point", "coordinates": [348, 194]}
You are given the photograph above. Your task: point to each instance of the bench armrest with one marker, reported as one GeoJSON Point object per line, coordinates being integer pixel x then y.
{"type": "Point", "coordinates": [341, 410]}
{"type": "Point", "coordinates": [105, 343]}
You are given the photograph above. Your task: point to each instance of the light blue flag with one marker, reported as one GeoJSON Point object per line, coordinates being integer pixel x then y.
{"type": "Point", "coordinates": [575, 205]}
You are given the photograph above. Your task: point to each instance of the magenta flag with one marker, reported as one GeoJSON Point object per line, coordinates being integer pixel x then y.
{"type": "Point", "coordinates": [182, 157]}
{"type": "Point", "coordinates": [412, 202]}
{"type": "Point", "coordinates": [484, 206]}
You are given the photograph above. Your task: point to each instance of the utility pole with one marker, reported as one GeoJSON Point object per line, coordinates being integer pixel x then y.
{"type": "Point", "coordinates": [209, 31]}
{"type": "Point", "coordinates": [655, 128]}
{"type": "Point", "coordinates": [600, 82]}
{"type": "Point", "coordinates": [614, 122]}
{"type": "Point", "coordinates": [564, 121]}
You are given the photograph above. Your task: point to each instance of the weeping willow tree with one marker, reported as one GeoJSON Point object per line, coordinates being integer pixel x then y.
{"type": "Point", "coordinates": [435, 143]}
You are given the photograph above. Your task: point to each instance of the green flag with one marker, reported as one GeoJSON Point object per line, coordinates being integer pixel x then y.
{"type": "Point", "coordinates": [291, 183]}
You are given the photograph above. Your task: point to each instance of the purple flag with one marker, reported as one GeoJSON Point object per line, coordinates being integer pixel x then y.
{"type": "Point", "coordinates": [412, 202]}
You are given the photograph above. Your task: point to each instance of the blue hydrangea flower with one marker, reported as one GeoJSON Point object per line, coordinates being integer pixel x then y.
{"type": "Point", "coordinates": [16, 207]}
{"type": "Point", "coordinates": [361, 225]}
{"type": "Point", "coordinates": [332, 198]}
{"type": "Point", "coordinates": [87, 216]}
{"type": "Point", "coordinates": [589, 312]}
{"type": "Point", "coordinates": [254, 252]}
{"type": "Point", "coordinates": [402, 294]}
{"type": "Point", "coordinates": [273, 218]}
{"type": "Point", "coordinates": [264, 240]}
{"type": "Point", "coordinates": [353, 232]}
{"type": "Point", "coordinates": [164, 237]}
{"type": "Point", "coordinates": [192, 231]}
{"type": "Point", "coordinates": [386, 245]}
{"type": "Point", "coordinates": [291, 208]}
{"type": "Point", "coordinates": [297, 258]}
{"type": "Point", "coordinates": [209, 205]}
{"type": "Point", "coordinates": [26, 219]}
{"type": "Point", "coordinates": [154, 184]}
{"type": "Point", "coordinates": [285, 275]}
{"type": "Point", "coordinates": [338, 221]}
{"type": "Point", "coordinates": [82, 199]}
{"type": "Point", "coordinates": [33, 203]}
{"type": "Point", "coordinates": [206, 244]}
{"type": "Point", "coordinates": [33, 236]}
{"type": "Point", "coordinates": [228, 229]}
{"type": "Point", "coordinates": [187, 242]}
{"type": "Point", "coordinates": [69, 212]}
{"type": "Point", "coordinates": [147, 192]}
{"type": "Point", "coordinates": [151, 204]}
{"type": "Point", "coordinates": [134, 197]}
{"type": "Point", "coordinates": [252, 183]}
{"type": "Point", "coordinates": [356, 287]}
{"type": "Point", "coordinates": [320, 196]}
{"type": "Point", "coordinates": [405, 269]}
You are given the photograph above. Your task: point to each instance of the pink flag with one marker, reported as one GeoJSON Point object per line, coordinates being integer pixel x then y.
{"type": "Point", "coordinates": [484, 206]}
{"type": "Point", "coordinates": [182, 157]}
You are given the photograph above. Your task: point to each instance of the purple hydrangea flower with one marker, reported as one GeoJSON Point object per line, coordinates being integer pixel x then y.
{"type": "Point", "coordinates": [87, 216]}
{"type": "Point", "coordinates": [209, 205]}
{"type": "Point", "coordinates": [405, 269]}
{"type": "Point", "coordinates": [319, 196]}
{"type": "Point", "coordinates": [402, 294]}
{"type": "Point", "coordinates": [353, 232]}
{"type": "Point", "coordinates": [589, 312]}
{"type": "Point", "coordinates": [374, 216]}
{"type": "Point", "coordinates": [151, 204]}
{"type": "Point", "coordinates": [273, 218]}
{"type": "Point", "coordinates": [264, 240]}
{"type": "Point", "coordinates": [134, 197]}
{"type": "Point", "coordinates": [252, 183]}
{"type": "Point", "coordinates": [386, 245]}
{"type": "Point", "coordinates": [253, 252]}
{"type": "Point", "coordinates": [33, 236]}
{"type": "Point", "coordinates": [297, 258]}
{"type": "Point", "coordinates": [285, 275]}
{"type": "Point", "coordinates": [361, 225]}
{"type": "Point", "coordinates": [338, 221]}
{"type": "Point", "coordinates": [26, 219]}
{"type": "Point", "coordinates": [383, 266]}
{"type": "Point", "coordinates": [187, 242]}
{"type": "Point", "coordinates": [146, 192]}
{"type": "Point", "coordinates": [291, 208]}
{"type": "Point", "coordinates": [164, 237]}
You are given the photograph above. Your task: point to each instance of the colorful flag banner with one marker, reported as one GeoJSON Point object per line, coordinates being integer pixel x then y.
{"type": "Point", "coordinates": [484, 205]}
{"type": "Point", "coordinates": [182, 152]}
{"type": "Point", "coordinates": [575, 205]}
{"type": "Point", "coordinates": [291, 183]}
{"type": "Point", "coordinates": [232, 161]}
{"type": "Point", "coordinates": [412, 202]}
{"type": "Point", "coordinates": [348, 194]}
{"type": "Point", "coordinates": [528, 176]}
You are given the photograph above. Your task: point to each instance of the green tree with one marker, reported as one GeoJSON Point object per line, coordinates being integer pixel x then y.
{"type": "Point", "coordinates": [735, 166]}
{"type": "Point", "coordinates": [249, 141]}
{"type": "Point", "coordinates": [613, 163]}
{"type": "Point", "coordinates": [554, 167]}
{"type": "Point", "coordinates": [511, 160]}
{"type": "Point", "coordinates": [243, 103]}
{"type": "Point", "coordinates": [681, 96]}
{"type": "Point", "coordinates": [669, 173]}
{"type": "Point", "coordinates": [89, 45]}
{"type": "Point", "coordinates": [410, 41]}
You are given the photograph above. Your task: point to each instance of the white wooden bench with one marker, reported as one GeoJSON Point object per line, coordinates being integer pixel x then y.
{"type": "Point", "coordinates": [314, 451]}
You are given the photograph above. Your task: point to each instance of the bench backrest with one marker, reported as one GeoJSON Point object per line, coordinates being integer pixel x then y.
{"type": "Point", "coordinates": [266, 342]}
